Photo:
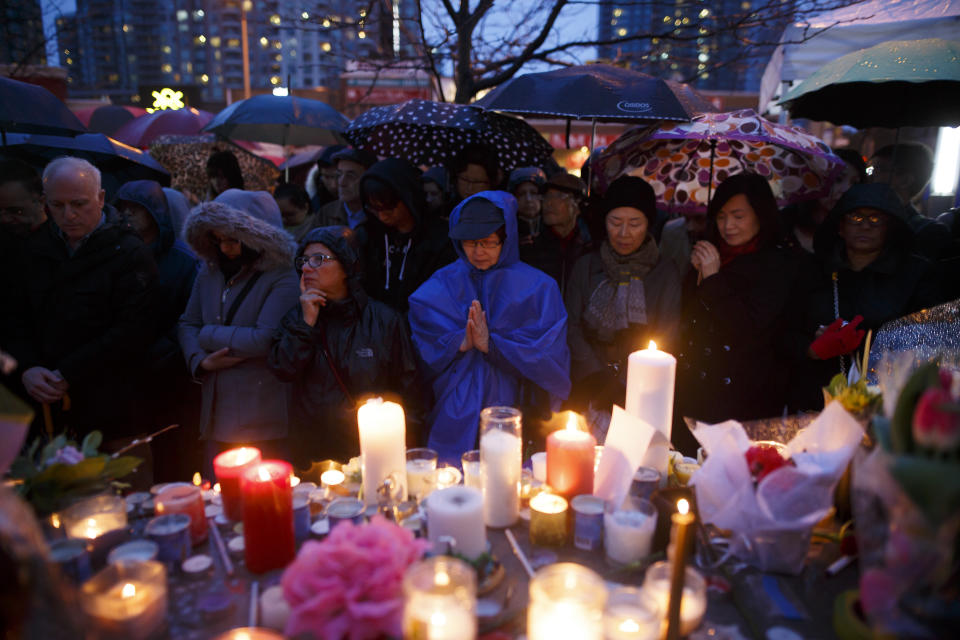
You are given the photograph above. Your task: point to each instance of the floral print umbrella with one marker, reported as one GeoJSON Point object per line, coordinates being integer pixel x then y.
{"type": "Point", "coordinates": [684, 162]}
{"type": "Point", "coordinates": [185, 157]}
{"type": "Point", "coordinates": [431, 133]}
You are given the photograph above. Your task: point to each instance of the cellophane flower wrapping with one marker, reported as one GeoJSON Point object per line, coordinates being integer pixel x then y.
{"type": "Point", "coordinates": [771, 520]}
{"type": "Point", "coordinates": [350, 584]}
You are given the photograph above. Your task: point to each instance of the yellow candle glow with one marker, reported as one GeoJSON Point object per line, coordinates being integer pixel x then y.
{"type": "Point", "coordinates": [294, 481]}
{"type": "Point", "coordinates": [216, 487]}
{"type": "Point", "coordinates": [332, 477]}
{"type": "Point", "coordinates": [128, 591]}
{"type": "Point", "coordinates": [447, 477]}
{"type": "Point", "coordinates": [197, 478]}
{"type": "Point", "coordinates": [548, 520]}
{"type": "Point", "coordinates": [652, 345]}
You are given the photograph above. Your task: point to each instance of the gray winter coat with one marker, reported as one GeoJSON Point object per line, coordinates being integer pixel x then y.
{"type": "Point", "coordinates": [245, 402]}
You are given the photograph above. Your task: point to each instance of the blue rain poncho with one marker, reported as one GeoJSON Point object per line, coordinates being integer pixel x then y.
{"type": "Point", "coordinates": [528, 336]}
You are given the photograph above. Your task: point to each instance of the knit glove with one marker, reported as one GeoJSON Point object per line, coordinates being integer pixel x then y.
{"type": "Point", "coordinates": [838, 339]}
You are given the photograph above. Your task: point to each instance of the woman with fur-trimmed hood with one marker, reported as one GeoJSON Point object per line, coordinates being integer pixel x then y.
{"type": "Point", "coordinates": [245, 286]}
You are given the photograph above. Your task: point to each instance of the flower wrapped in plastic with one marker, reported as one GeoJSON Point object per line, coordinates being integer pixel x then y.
{"type": "Point", "coordinates": [350, 584]}
{"type": "Point", "coordinates": [906, 498]}
{"type": "Point", "coordinates": [771, 506]}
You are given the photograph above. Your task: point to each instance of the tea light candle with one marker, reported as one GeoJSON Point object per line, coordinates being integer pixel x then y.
{"type": "Point", "coordinates": [693, 604]}
{"type": "Point", "coordinates": [102, 521]}
{"type": "Point", "coordinates": [440, 600]}
{"type": "Point", "coordinates": [382, 445]}
{"type": "Point", "coordinates": [500, 465]}
{"type": "Point", "coordinates": [651, 374]}
{"type": "Point", "coordinates": [448, 476]}
{"type": "Point", "coordinates": [185, 499]}
{"type": "Point", "coordinates": [127, 601]}
{"type": "Point", "coordinates": [134, 551]}
{"type": "Point", "coordinates": [229, 466]}
{"type": "Point", "coordinates": [331, 481]}
{"type": "Point", "coordinates": [628, 530]}
{"type": "Point", "coordinates": [274, 610]}
{"type": "Point", "coordinates": [548, 520]}
{"type": "Point", "coordinates": [457, 512]}
{"type": "Point", "coordinates": [566, 601]}
{"type": "Point", "coordinates": [268, 533]}
{"type": "Point", "coordinates": [570, 457]}
{"type": "Point", "coordinates": [631, 615]}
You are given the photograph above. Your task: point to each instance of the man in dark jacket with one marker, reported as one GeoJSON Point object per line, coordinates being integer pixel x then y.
{"type": "Point", "coordinates": [336, 346]}
{"type": "Point", "coordinates": [565, 237]}
{"type": "Point", "coordinates": [86, 316]}
{"type": "Point", "coordinates": [403, 248]}
{"type": "Point", "coordinates": [348, 210]}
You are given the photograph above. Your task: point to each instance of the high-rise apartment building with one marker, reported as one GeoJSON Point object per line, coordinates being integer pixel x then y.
{"type": "Point", "coordinates": [22, 41]}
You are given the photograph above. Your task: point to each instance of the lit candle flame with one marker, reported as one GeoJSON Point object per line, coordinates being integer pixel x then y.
{"type": "Point", "coordinates": [572, 421]}
{"type": "Point", "coordinates": [197, 479]}
{"type": "Point", "coordinates": [442, 579]}
{"type": "Point", "coordinates": [263, 473]}
{"type": "Point", "coordinates": [128, 591]}
{"type": "Point", "coordinates": [332, 477]}
{"type": "Point", "coordinates": [92, 530]}
{"type": "Point", "coordinates": [630, 626]}
{"type": "Point", "coordinates": [55, 520]}
{"type": "Point", "coordinates": [683, 506]}
{"type": "Point", "coordinates": [294, 481]}
{"type": "Point", "coordinates": [652, 345]}
{"type": "Point", "coordinates": [216, 488]}
{"type": "Point", "coordinates": [438, 620]}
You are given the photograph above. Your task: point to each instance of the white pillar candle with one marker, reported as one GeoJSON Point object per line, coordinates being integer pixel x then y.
{"type": "Point", "coordinates": [651, 374]}
{"type": "Point", "coordinates": [274, 609]}
{"type": "Point", "coordinates": [566, 601]}
{"type": "Point", "coordinates": [458, 512]}
{"type": "Point", "coordinates": [628, 530]}
{"type": "Point", "coordinates": [382, 445]}
{"type": "Point", "coordinates": [500, 468]}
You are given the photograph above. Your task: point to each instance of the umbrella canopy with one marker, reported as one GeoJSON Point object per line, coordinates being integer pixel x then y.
{"type": "Point", "coordinates": [185, 157]}
{"type": "Point", "coordinates": [685, 162]}
{"type": "Point", "coordinates": [144, 130]}
{"type": "Point", "coordinates": [892, 84]}
{"type": "Point", "coordinates": [108, 118]}
{"type": "Point", "coordinates": [431, 133]}
{"type": "Point", "coordinates": [28, 108]}
{"type": "Point", "coordinates": [590, 92]}
{"type": "Point", "coordinates": [286, 120]}
{"type": "Point", "coordinates": [117, 162]}
{"type": "Point", "coordinates": [302, 158]}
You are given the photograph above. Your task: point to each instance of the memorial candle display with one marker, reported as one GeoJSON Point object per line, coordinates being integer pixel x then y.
{"type": "Point", "coordinates": [440, 600]}
{"type": "Point", "coordinates": [457, 512]}
{"type": "Point", "coordinates": [500, 465]}
{"type": "Point", "coordinates": [382, 445]}
{"type": "Point", "coordinates": [566, 601]}
{"type": "Point", "coordinates": [548, 520]}
{"type": "Point", "coordinates": [650, 380]}
{"type": "Point", "coordinates": [229, 466]}
{"type": "Point", "coordinates": [268, 534]}
{"type": "Point", "coordinates": [127, 601]}
{"type": "Point", "coordinates": [693, 604]}
{"type": "Point", "coordinates": [570, 458]}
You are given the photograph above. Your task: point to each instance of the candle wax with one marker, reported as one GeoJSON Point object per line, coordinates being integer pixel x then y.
{"type": "Point", "coordinates": [268, 532]}
{"type": "Point", "coordinates": [627, 535]}
{"type": "Point", "coordinates": [229, 467]}
{"type": "Point", "coordinates": [500, 468]}
{"type": "Point", "coordinates": [570, 458]}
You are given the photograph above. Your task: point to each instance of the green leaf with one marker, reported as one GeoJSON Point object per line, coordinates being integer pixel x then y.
{"type": "Point", "coordinates": [67, 474]}
{"type": "Point", "coordinates": [91, 443]}
{"type": "Point", "coordinates": [901, 427]}
{"type": "Point", "coordinates": [837, 384]}
{"type": "Point", "coordinates": [32, 451]}
{"type": "Point", "coordinates": [120, 467]}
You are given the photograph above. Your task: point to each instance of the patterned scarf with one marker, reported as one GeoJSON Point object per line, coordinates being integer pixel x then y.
{"type": "Point", "coordinates": [620, 299]}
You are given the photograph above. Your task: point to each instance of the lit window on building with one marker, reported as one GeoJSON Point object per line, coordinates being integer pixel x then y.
{"type": "Point", "coordinates": [201, 39]}
{"type": "Point", "coordinates": [326, 46]}
{"type": "Point", "coordinates": [277, 44]}
{"type": "Point", "coordinates": [275, 80]}
{"type": "Point", "coordinates": [198, 14]}
{"type": "Point", "coordinates": [617, 12]}
{"type": "Point", "coordinates": [326, 23]}
{"type": "Point", "coordinates": [233, 43]}
{"type": "Point", "coordinates": [215, 41]}
{"type": "Point", "coordinates": [113, 77]}
{"type": "Point", "coordinates": [703, 57]}
{"type": "Point", "coordinates": [167, 68]}
{"type": "Point", "coordinates": [361, 35]}
{"type": "Point", "coordinates": [621, 32]}
{"type": "Point", "coordinates": [69, 60]}
{"type": "Point", "coordinates": [613, 22]}
{"type": "Point", "coordinates": [275, 20]}
{"type": "Point", "coordinates": [166, 49]}
{"type": "Point", "coordinates": [181, 15]}
{"type": "Point", "coordinates": [704, 13]}
{"type": "Point", "coordinates": [204, 78]}
{"type": "Point", "coordinates": [293, 53]}
{"type": "Point", "coordinates": [304, 16]}
{"type": "Point", "coordinates": [744, 5]}
{"type": "Point", "coordinates": [666, 19]}
{"type": "Point", "coordinates": [264, 42]}
{"type": "Point", "coordinates": [127, 28]}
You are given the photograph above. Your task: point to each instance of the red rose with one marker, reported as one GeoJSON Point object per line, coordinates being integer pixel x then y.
{"type": "Point", "coordinates": [762, 459]}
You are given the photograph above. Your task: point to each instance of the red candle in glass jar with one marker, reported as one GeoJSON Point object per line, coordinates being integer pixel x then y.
{"type": "Point", "coordinates": [188, 499]}
{"type": "Point", "coordinates": [228, 467]}
{"type": "Point", "coordinates": [570, 456]}
{"type": "Point", "coordinates": [268, 534]}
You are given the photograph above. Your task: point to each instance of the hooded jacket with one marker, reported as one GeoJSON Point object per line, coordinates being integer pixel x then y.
{"type": "Point", "coordinates": [528, 336]}
{"type": "Point", "coordinates": [898, 282]}
{"type": "Point", "coordinates": [396, 264]}
{"type": "Point", "coordinates": [366, 342]}
{"type": "Point", "coordinates": [245, 402]}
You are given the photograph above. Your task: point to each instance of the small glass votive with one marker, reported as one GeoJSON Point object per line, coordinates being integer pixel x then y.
{"type": "Point", "coordinates": [440, 599]}
{"type": "Point", "coordinates": [448, 476]}
{"type": "Point", "coordinates": [566, 601]}
{"type": "Point", "coordinates": [548, 520]}
{"type": "Point", "coordinates": [470, 462]}
{"type": "Point", "coordinates": [421, 472]}
{"type": "Point", "coordinates": [693, 603]}
{"type": "Point", "coordinates": [102, 521]}
{"type": "Point", "coordinates": [188, 499]}
{"type": "Point", "coordinates": [127, 601]}
{"type": "Point", "coordinates": [628, 530]}
{"type": "Point", "coordinates": [631, 614]}
{"type": "Point", "coordinates": [333, 484]}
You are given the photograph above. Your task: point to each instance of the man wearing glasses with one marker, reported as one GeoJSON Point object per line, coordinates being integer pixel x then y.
{"type": "Point", "coordinates": [348, 210]}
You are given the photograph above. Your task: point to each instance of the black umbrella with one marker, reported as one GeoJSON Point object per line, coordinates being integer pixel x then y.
{"type": "Point", "coordinates": [431, 133]}
{"type": "Point", "coordinates": [28, 108]}
{"type": "Point", "coordinates": [286, 120]}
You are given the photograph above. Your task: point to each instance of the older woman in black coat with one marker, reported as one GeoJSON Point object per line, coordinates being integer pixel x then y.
{"type": "Point", "coordinates": [734, 306]}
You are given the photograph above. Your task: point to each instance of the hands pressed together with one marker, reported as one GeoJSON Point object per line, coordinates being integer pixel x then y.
{"type": "Point", "coordinates": [705, 258]}
{"type": "Point", "coordinates": [477, 335]}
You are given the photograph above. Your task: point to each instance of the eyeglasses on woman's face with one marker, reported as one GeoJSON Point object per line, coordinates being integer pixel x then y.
{"type": "Point", "coordinates": [483, 244]}
{"type": "Point", "coordinates": [315, 260]}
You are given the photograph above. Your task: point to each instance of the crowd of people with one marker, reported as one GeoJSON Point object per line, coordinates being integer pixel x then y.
{"type": "Point", "coordinates": [264, 318]}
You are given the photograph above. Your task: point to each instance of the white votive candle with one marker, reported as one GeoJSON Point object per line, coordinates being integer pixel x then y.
{"type": "Point", "coordinates": [440, 600]}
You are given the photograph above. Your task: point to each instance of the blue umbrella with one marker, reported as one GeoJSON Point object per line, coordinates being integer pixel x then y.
{"type": "Point", "coordinates": [285, 120]}
{"type": "Point", "coordinates": [29, 108]}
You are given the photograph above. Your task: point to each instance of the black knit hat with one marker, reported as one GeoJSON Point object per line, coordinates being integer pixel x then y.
{"type": "Point", "coordinates": [631, 191]}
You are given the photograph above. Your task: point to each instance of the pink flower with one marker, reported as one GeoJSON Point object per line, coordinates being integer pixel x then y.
{"type": "Point", "coordinates": [349, 585]}
{"type": "Point", "coordinates": [66, 455]}
{"type": "Point", "coordinates": [936, 420]}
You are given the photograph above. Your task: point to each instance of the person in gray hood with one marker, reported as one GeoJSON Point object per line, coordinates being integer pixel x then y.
{"type": "Point", "coordinates": [337, 346]}
{"type": "Point", "coordinates": [245, 286]}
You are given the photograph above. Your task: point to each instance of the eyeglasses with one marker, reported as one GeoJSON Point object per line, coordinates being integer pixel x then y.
{"type": "Point", "coordinates": [873, 220]}
{"type": "Point", "coordinates": [315, 261]}
{"type": "Point", "coordinates": [483, 244]}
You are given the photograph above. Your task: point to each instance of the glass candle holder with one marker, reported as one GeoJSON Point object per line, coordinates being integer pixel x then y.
{"type": "Point", "coordinates": [440, 600]}
{"type": "Point", "coordinates": [548, 520]}
{"type": "Point", "coordinates": [566, 601]}
{"type": "Point", "coordinates": [421, 472]}
{"type": "Point", "coordinates": [101, 521]}
{"type": "Point", "coordinates": [448, 476]}
{"type": "Point", "coordinates": [127, 601]}
{"type": "Point", "coordinates": [268, 530]}
{"type": "Point", "coordinates": [188, 499]}
{"type": "Point", "coordinates": [229, 466]}
{"type": "Point", "coordinates": [470, 461]}
{"type": "Point", "coordinates": [628, 530]}
{"type": "Point", "coordinates": [693, 604]}
{"type": "Point", "coordinates": [501, 462]}
{"type": "Point", "coordinates": [631, 615]}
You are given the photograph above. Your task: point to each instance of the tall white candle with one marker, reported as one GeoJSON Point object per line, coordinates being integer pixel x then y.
{"type": "Point", "coordinates": [382, 445]}
{"type": "Point", "coordinates": [500, 469]}
{"type": "Point", "coordinates": [458, 512]}
{"type": "Point", "coordinates": [651, 375]}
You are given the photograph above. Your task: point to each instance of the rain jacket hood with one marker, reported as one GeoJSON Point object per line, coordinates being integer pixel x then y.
{"type": "Point", "coordinates": [342, 241]}
{"type": "Point", "coordinates": [404, 177]}
{"type": "Point", "coordinates": [527, 324]}
{"type": "Point", "coordinates": [149, 195]}
{"type": "Point", "coordinates": [257, 225]}
{"type": "Point", "coordinates": [179, 209]}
